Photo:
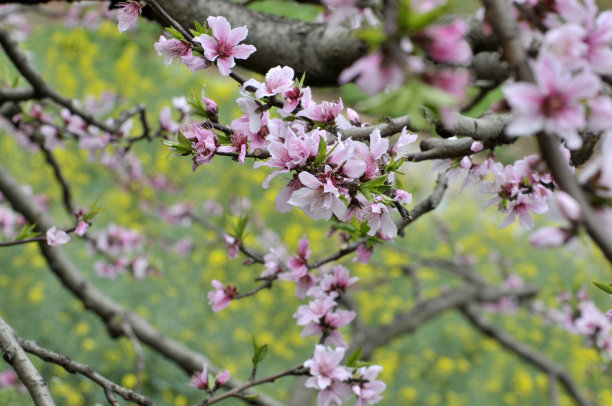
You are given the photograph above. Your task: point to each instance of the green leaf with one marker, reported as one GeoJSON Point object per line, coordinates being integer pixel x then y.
{"type": "Point", "coordinates": [321, 152]}
{"type": "Point", "coordinates": [175, 33]}
{"type": "Point", "coordinates": [250, 396]}
{"type": "Point", "coordinates": [93, 210]}
{"type": "Point", "coordinates": [301, 82]}
{"type": "Point", "coordinates": [374, 182]}
{"type": "Point", "coordinates": [353, 358]}
{"type": "Point", "coordinates": [373, 36]}
{"type": "Point", "coordinates": [27, 232]}
{"type": "Point", "coordinates": [605, 287]}
{"type": "Point", "coordinates": [259, 352]}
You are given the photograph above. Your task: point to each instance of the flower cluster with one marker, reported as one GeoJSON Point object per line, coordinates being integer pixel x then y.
{"type": "Point", "coordinates": [122, 249]}
{"type": "Point", "coordinates": [568, 96]}
{"type": "Point", "coordinates": [221, 45]}
{"type": "Point", "coordinates": [579, 315]}
{"type": "Point", "coordinates": [338, 383]}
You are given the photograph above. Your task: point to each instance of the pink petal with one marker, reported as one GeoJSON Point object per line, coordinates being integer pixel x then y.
{"type": "Point", "coordinates": [225, 65]}
{"type": "Point", "coordinates": [243, 51]}
{"type": "Point", "coordinates": [237, 35]}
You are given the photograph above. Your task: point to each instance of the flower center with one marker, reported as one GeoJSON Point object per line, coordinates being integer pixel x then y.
{"type": "Point", "coordinates": [552, 104]}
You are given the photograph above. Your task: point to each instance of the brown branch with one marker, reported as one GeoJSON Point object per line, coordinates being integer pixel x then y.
{"type": "Point", "coordinates": [85, 370]}
{"type": "Point", "coordinates": [537, 359]}
{"type": "Point", "coordinates": [27, 373]}
{"type": "Point", "coordinates": [111, 312]}
{"type": "Point", "coordinates": [501, 19]}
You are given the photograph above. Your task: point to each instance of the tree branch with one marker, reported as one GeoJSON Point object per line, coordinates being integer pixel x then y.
{"type": "Point", "coordinates": [537, 359]}
{"type": "Point", "coordinates": [85, 370]}
{"type": "Point", "coordinates": [27, 373]}
{"type": "Point", "coordinates": [501, 19]}
{"type": "Point", "coordinates": [111, 312]}
{"type": "Point", "coordinates": [319, 51]}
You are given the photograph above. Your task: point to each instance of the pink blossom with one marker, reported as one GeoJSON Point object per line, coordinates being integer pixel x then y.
{"type": "Point", "coordinates": [172, 48]}
{"type": "Point", "coordinates": [223, 378]}
{"type": "Point", "coordinates": [278, 81]}
{"type": "Point", "coordinates": [81, 228]}
{"type": "Point", "coordinates": [368, 392]}
{"type": "Point", "coordinates": [400, 149]}
{"type": "Point", "coordinates": [374, 73]}
{"type": "Point", "coordinates": [446, 43]}
{"type": "Point", "coordinates": [233, 246]}
{"type": "Point", "coordinates": [338, 280]}
{"type": "Point", "coordinates": [325, 367]}
{"type": "Point", "coordinates": [8, 378]}
{"type": "Point", "coordinates": [195, 63]}
{"type": "Point", "coordinates": [298, 265]}
{"type": "Point", "coordinates": [200, 379]}
{"type": "Point", "coordinates": [223, 46]}
{"type": "Point", "coordinates": [476, 146]}
{"type": "Point", "coordinates": [204, 143]}
{"type": "Point", "coordinates": [315, 311]}
{"type": "Point", "coordinates": [318, 200]}
{"type": "Point", "coordinates": [166, 122]}
{"type": "Point", "coordinates": [56, 237]}
{"type": "Point", "coordinates": [221, 297]}
{"type": "Point", "coordinates": [128, 13]}
{"type": "Point", "coordinates": [378, 217]}
{"type": "Point", "coordinates": [569, 206]}
{"type": "Point", "coordinates": [553, 104]}
{"type": "Point", "coordinates": [326, 112]}
{"type": "Point", "coordinates": [402, 196]}
{"type": "Point", "coordinates": [549, 237]}
{"type": "Point", "coordinates": [295, 96]}
{"type": "Point", "coordinates": [364, 253]}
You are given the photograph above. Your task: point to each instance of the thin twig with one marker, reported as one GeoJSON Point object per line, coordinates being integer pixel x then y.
{"type": "Point", "coordinates": [236, 392]}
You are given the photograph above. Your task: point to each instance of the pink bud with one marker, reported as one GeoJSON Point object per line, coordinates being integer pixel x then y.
{"type": "Point", "coordinates": [569, 206]}
{"type": "Point", "coordinates": [477, 146]}
{"type": "Point", "coordinates": [548, 237]}
{"type": "Point", "coordinates": [222, 378]}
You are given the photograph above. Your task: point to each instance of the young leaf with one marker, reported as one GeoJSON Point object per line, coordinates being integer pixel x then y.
{"type": "Point", "coordinates": [353, 358]}
{"type": "Point", "coordinates": [93, 211]}
{"type": "Point", "coordinates": [27, 232]}
{"type": "Point", "coordinates": [605, 287]}
{"type": "Point", "coordinates": [175, 33]}
{"type": "Point", "coordinates": [321, 152]}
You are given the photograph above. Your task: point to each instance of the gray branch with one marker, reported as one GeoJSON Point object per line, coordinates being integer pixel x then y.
{"type": "Point", "coordinates": [534, 357]}
{"type": "Point", "coordinates": [26, 371]}
{"type": "Point", "coordinates": [85, 370]}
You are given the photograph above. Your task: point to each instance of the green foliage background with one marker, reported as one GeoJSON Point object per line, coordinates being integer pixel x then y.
{"type": "Point", "coordinates": [443, 363]}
